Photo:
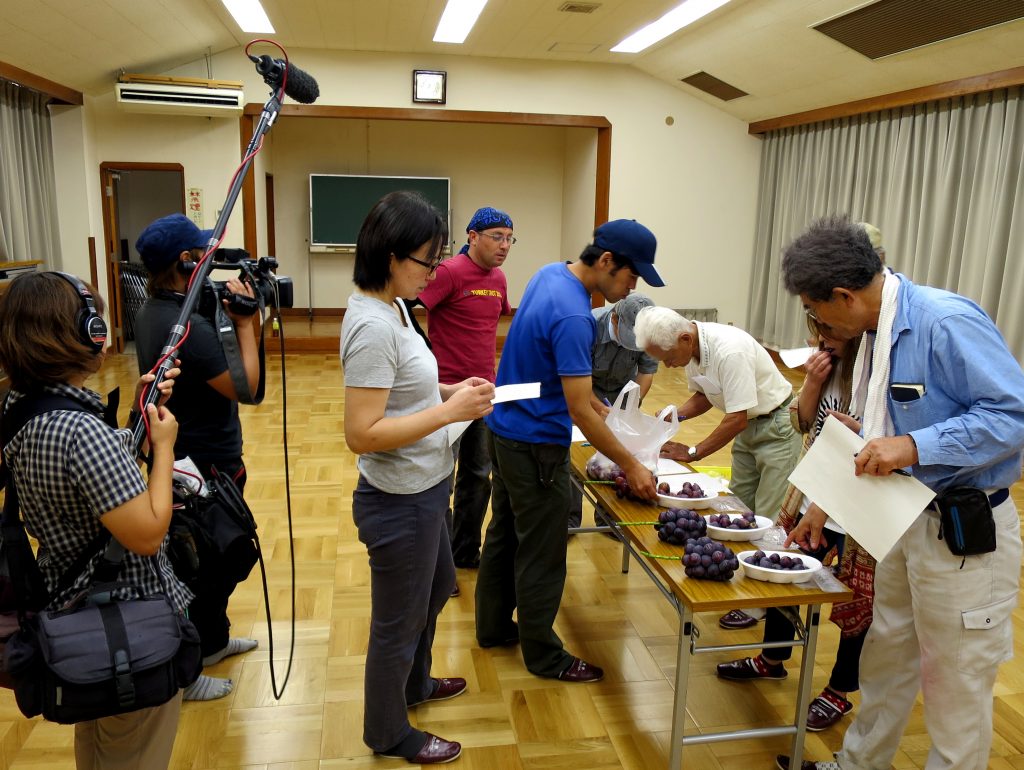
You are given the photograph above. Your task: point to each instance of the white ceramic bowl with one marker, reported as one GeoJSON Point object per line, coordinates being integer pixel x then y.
{"type": "Point", "coordinates": [721, 533]}
{"type": "Point", "coordinates": [709, 484]}
{"type": "Point", "coordinates": [779, 575]}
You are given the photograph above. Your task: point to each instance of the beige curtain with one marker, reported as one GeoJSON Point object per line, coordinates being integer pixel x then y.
{"type": "Point", "coordinates": [28, 209]}
{"type": "Point", "coordinates": [943, 181]}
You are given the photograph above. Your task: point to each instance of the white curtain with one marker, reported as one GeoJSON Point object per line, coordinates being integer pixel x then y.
{"type": "Point", "coordinates": [943, 181]}
{"type": "Point", "coordinates": [28, 208]}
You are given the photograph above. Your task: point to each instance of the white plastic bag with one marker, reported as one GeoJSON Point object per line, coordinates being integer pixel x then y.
{"type": "Point", "coordinates": [642, 434]}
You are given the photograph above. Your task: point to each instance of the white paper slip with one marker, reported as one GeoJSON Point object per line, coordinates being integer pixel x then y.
{"type": "Point", "coordinates": [874, 510]}
{"type": "Point", "coordinates": [502, 393]}
{"type": "Point", "coordinates": [577, 435]}
{"type": "Point", "coordinates": [517, 392]}
{"type": "Point", "coordinates": [795, 357]}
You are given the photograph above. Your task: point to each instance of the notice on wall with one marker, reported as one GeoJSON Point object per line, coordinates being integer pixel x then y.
{"type": "Point", "coordinates": [194, 205]}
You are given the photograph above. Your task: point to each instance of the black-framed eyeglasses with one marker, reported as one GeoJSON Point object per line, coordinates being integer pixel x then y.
{"type": "Point", "coordinates": [432, 265]}
{"type": "Point", "coordinates": [498, 238]}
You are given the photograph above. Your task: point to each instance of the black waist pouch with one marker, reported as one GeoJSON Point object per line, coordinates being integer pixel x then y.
{"type": "Point", "coordinates": [966, 522]}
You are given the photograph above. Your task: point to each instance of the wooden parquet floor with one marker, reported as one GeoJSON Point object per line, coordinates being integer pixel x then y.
{"type": "Point", "coordinates": [509, 719]}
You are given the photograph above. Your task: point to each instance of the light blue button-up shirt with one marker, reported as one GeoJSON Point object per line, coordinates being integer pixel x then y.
{"type": "Point", "coordinates": [969, 423]}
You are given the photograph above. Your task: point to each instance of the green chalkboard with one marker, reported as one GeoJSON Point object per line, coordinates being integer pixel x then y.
{"type": "Point", "coordinates": [338, 204]}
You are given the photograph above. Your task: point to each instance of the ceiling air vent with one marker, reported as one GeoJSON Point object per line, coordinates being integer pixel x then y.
{"type": "Point", "coordinates": [709, 84]}
{"type": "Point", "coordinates": [892, 26]}
{"type": "Point", "coordinates": [578, 7]}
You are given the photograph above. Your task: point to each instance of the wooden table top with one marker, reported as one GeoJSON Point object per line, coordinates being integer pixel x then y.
{"type": "Point", "coordinates": [699, 595]}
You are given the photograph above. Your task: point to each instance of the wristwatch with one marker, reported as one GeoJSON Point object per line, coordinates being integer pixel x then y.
{"type": "Point", "coordinates": [692, 452]}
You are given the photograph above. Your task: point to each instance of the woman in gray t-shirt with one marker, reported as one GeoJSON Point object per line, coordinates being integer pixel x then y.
{"type": "Point", "coordinates": [395, 419]}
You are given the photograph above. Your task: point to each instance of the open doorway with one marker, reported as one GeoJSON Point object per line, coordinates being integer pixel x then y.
{"type": "Point", "coordinates": [134, 194]}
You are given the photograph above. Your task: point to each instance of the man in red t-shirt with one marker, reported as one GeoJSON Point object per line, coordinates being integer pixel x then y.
{"type": "Point", "coordinates": [464, 301]}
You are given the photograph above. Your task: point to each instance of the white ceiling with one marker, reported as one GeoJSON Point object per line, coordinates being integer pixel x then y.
{"type": "Point", "coordinates": [764, 47]}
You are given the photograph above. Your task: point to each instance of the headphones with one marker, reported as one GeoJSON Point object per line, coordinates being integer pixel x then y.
{"type": "Point", "coordinates": [91, 328]}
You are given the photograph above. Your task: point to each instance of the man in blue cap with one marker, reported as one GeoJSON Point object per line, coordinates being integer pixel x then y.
{"type": "Point", "coordinates": [205, 402]}
{"type": "Point", "coordinates": [468, 295]}
{"type": "Point", "coordinates": [523, 561]}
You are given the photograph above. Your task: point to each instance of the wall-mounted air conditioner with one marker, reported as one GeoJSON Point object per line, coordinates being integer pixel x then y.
{"type": "Point", "coordinates": [180, 96]}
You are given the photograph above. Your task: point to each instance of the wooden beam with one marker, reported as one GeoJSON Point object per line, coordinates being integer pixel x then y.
{"type": "Point", "coordinates": [60, 94]}
{"type": "Point", "coordinates": [437, 116]}
{"type": "Point", "coordinates": [949, 89]}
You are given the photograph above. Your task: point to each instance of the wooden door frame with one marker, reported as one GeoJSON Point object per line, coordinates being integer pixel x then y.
{"type": "Point", "coordinates": [247, 123]}
{"type": "Point", "coordinates": [115, 300]}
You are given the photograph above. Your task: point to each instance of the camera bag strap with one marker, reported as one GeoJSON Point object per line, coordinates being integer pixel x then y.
{"type": "Point", "coordinates": [229, 342]}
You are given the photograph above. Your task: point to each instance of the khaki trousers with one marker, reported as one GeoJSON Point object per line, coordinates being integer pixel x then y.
{"type": "Point", "coordinates": [944, 631]}
{"type": "Point", "coordinates": [139, 740]}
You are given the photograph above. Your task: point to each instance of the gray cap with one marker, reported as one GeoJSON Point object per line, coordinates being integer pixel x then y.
{"type": "Point", "coordinates": [626, 310]}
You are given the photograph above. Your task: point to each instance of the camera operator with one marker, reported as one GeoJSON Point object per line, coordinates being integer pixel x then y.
{"type": "Point", "coordinates": [205, 402]}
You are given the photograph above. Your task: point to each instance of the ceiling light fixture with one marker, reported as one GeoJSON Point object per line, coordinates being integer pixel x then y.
{"type": "Point", "coordinates": [671, 22]}
{"type": "Point", "coordinates": [457, 20]}
{"type": "Point", "coordinates": [249, 16]}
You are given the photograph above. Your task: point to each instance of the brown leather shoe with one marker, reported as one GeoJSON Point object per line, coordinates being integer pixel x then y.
{"type": "Point", "coordinates": [436, 751]}
{"type": "Point", "coordinates": [581, 671]}
{"type": "Point", "coordinates": [734, 620]}
{"type": "Point", "coordinates": [447, 687]}
{"type": "Point", "coordinates": [825, 710]}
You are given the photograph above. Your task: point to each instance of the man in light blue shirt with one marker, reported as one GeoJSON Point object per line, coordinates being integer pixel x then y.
{"type": "Point", "coordinates": [953, 414]}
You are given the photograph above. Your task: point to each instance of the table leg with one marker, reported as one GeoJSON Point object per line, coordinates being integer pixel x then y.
{"type": "Point", "coordinates": [804, 689]}
{"type": "Point", "coordinates": [683, 655]}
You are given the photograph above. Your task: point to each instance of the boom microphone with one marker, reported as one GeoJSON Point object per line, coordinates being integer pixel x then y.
{"type": "Point", "coordinates": [299, 85]}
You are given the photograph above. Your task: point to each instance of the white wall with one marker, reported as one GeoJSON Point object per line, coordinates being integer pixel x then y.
{"type": "Point", "coordinates": [693, 183]}
{"type": "Point", "coordinates": [514, 168]}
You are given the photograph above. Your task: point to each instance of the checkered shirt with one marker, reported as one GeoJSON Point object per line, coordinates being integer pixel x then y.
{"type": "Point", "coordinates": [71, 468]}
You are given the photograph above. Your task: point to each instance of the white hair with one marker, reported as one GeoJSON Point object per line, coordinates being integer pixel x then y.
{"type": "Point", "coordinates": [659, 327]}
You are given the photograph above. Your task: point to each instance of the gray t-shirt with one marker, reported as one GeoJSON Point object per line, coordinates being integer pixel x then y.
{"type": "Point", "coordinates": [379, 351]}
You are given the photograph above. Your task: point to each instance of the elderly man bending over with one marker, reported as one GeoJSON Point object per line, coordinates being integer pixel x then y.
{"type": "Point", "coordinates": [728, 369]}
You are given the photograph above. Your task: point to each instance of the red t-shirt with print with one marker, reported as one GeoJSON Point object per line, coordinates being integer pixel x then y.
{"type": "Point", "coordinates": [464, 302]}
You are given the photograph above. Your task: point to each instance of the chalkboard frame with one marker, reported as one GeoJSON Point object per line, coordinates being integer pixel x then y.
{"type": "Point", "coordinates": [317, 237]}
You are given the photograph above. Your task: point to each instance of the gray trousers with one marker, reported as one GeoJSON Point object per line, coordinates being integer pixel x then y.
{"type": "Point", "coordinates": [523, 561]}
{"type": "Point", "coordinates": [471, 482]}
{"type": "Point", "coordinates": [411, 577]}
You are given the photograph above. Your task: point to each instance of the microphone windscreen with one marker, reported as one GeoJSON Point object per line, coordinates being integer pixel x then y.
{"type": "Point", "coordinates": [301, 86]}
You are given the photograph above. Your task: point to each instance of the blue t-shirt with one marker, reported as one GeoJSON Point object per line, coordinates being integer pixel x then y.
{"type": "Point", "coordinates": [550, 337]}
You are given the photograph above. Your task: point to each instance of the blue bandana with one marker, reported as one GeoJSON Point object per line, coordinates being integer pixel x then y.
{"type": "Point", "coordinates": [487, 218]}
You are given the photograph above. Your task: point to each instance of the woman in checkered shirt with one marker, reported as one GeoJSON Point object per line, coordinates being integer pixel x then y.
{"type": "Point", "coordinates": [76, 476]}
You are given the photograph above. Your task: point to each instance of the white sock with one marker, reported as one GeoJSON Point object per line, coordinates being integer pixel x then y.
{"type": "Point", "coordinates": [207, 688]}
{"type": "Point", "coordinates": [234, 646]}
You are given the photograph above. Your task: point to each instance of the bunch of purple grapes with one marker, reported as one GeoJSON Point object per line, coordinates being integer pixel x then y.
{"type": "Point", "coordinates": [707, 559]}
{"type": "Point", "coordinates": [724, 521]}
{"type": "Point", "coordinates": [677, 525]}
{"type": "Point", "coordinates": [690, 490]}
{"type": "Point", "coordinates": [623, 491]}
{"type": "Point", "coordinates": [774, 561]}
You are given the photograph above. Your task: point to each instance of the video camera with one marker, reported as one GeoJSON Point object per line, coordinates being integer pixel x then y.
{"type": "Point", "coordinates": [275, 290]}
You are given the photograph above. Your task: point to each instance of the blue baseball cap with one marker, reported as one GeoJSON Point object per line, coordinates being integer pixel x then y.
{"type": "Point", "coordinates": [630, 239]}
{"type": "Point", "coordinates": [162, 242]}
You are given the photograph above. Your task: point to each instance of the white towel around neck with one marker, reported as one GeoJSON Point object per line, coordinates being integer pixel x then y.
{"type": "Point", "coordinates": [871, 383]}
